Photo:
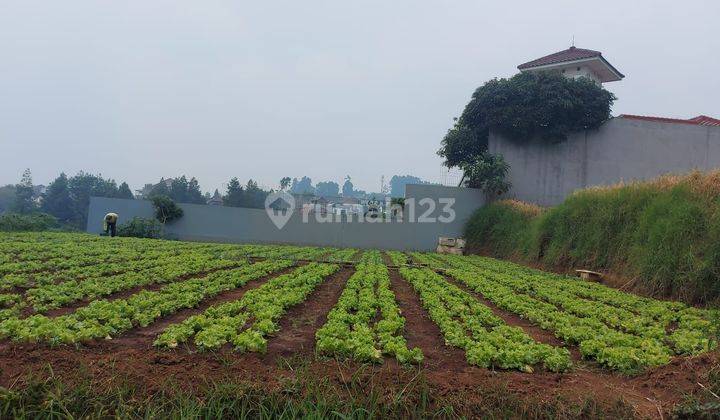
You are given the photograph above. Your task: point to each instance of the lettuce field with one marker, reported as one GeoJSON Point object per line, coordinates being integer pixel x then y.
{"type": "Point", "coordinates": [152, 310]}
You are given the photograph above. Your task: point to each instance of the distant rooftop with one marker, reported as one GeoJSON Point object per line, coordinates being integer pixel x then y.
{"type": "Point", "coordinates": [699, 120]}
{"type": "Point", "coordinates": [598, 64]}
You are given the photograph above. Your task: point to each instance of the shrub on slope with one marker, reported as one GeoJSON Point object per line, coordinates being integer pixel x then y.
{"type": "Point", "coordinates": [664, 233]}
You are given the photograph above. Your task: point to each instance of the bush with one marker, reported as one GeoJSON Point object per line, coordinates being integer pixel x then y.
{"type": "Point", "coordinates": [663, 233]}
{"type": "Point", "coordinates": [165, 209]}
{"type": "Point", "coordinates": [487, 173]}
{"type": "Point", "coordinates": [500, 228]}
{"type": "Point", "coordinates": [140, 227]}
{"type": "Point", "coordinates": [529, 105]}
{"type": "Point", "coordinates": [15, 222]}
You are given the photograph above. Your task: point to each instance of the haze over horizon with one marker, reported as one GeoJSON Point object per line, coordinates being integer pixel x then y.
{"type": "Point", "coordinates": [138, 90]}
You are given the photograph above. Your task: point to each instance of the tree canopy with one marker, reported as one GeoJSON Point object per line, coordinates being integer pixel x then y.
{"type": "Point", "coordinates": [530, 105]}
{"type": "Point", "coordinates": [302, 186]}
{"type": "Point", "coordinates": [251, 196]}
{"type": "Point", "coordinates": [24, 202]}
{"type": "Point", "coordinates": [327, 189]}
{"type": "Point", "coordinates": [348, 189]}
{"type": "Point", "coordinates": [179, 190]}
{"type": "Point", "coordinates": [57, 200]}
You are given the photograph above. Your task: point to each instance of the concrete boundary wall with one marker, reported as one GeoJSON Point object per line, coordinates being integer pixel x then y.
{"type": "Point", "coordinates": [243, 225]}
{"type": "Point", "coordinates": [623, 149]}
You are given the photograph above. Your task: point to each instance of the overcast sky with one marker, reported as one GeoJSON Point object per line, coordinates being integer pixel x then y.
{"type": "Point", "coordinates": [140, 89]}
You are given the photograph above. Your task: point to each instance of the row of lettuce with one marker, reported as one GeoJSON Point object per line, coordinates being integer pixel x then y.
{"type": "Point", "coordinates": [366, 322]}
{"type": "Point", "coordinates": [42, 272]}
{"type": "Point", "coordinates": [622, 331]}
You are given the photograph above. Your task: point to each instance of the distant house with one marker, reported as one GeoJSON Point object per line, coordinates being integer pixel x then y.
{"type": "Point", "coordinates": [576, 62]}
{"type": "Point", "coordinates": [215, 200]}
{"type": "Point", "coordinates": [350, 200]}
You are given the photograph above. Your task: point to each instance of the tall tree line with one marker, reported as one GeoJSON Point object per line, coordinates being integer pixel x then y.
{"type": "Point", "coordinates": [251, 195]}
{"type": "Point", "coordinates": [180, 190]}
{"type": "Point", "coordinates": [66, 198]}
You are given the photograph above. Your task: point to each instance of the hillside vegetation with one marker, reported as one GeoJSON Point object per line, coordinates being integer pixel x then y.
{"type": "Point", "coordinates": [660, 237]}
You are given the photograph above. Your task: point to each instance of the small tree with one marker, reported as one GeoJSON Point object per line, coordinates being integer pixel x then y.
{"type": "Point", "coordinates": [166, 210]}
{"type": "Point", "coordinates": [285, 183]}
{"type": "Point", "coordinates": [24, 203]}
{"type": "Point", "coordinates": [487, 173]}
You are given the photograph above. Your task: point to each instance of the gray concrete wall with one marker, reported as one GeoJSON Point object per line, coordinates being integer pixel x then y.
{"type": "Point", "coordinates": [242, 225]}
{"type": "Point", "coordinates": [623, 149]}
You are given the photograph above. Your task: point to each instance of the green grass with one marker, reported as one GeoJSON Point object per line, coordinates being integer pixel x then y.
{"type": "Point", "coordinates": [664, 233]}
{"type": "Point", "coordinates": [300, 395]}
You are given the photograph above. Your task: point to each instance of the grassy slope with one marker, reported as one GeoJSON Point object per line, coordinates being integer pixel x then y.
{"type": "Point", "coordinates": [664, 233]}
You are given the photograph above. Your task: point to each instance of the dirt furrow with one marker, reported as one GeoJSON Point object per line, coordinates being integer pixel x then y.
{"type": "Point", "coordinates": [143, 337]}
{"type": "Point", "coordinates": [422, 332]}
{"type": "Point", "coordinates": [298, 325]}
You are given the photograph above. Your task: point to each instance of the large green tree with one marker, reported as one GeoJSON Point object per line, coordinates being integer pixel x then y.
{"type": "Point", "coordinates": [83, 186]}
{"type": "Point", "coordinates": [57, 200]}
{"type": "Point", "coordinates": [235, 194]}
{"type": "Point", "coordinates": [527, 106]}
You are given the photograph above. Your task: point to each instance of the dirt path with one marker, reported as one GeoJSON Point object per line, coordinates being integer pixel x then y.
{"type": "Point", "coordinates": [298, 325]}
{"type": "Point", "coordinates": [422, 332]}
{"type": "Point", "coordinates": [386, 259]}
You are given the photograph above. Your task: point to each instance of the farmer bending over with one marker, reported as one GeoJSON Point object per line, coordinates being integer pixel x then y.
{"type": "Point", "coordinates": [109, 223]}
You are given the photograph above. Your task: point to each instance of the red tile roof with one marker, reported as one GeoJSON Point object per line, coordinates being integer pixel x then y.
{"type": "Point", "coordinates": [705, 120]}
{"type": "Point", "coordinates": [571, 54]}
{"type": "Point", "coordinates": [699, 120]}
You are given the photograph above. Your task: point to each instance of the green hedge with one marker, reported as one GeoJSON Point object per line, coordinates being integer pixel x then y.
{"type": "Point", "coordinates": [15, 222]}
{"type": "Point", "coordinates": [664, 233]}
{"type": "Point", "coordinates": [140, 227]}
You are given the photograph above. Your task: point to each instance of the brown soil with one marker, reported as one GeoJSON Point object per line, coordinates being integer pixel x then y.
{"type": "Point", "coordinates": [386, 259]}
{"type": "Point", "coordinates": [538, 334]}
{"type": "Point", "coordinates": [421, 332]}
{"type": "Point", "coordinates": [298, 326]}
{"type": "Point", "coordinates": [133, 358]}
{"type": "Point", "coordinates": [123, 294]}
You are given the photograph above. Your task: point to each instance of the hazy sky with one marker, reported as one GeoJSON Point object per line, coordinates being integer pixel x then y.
{"type": "Point", "coordinates": [140, 89]}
